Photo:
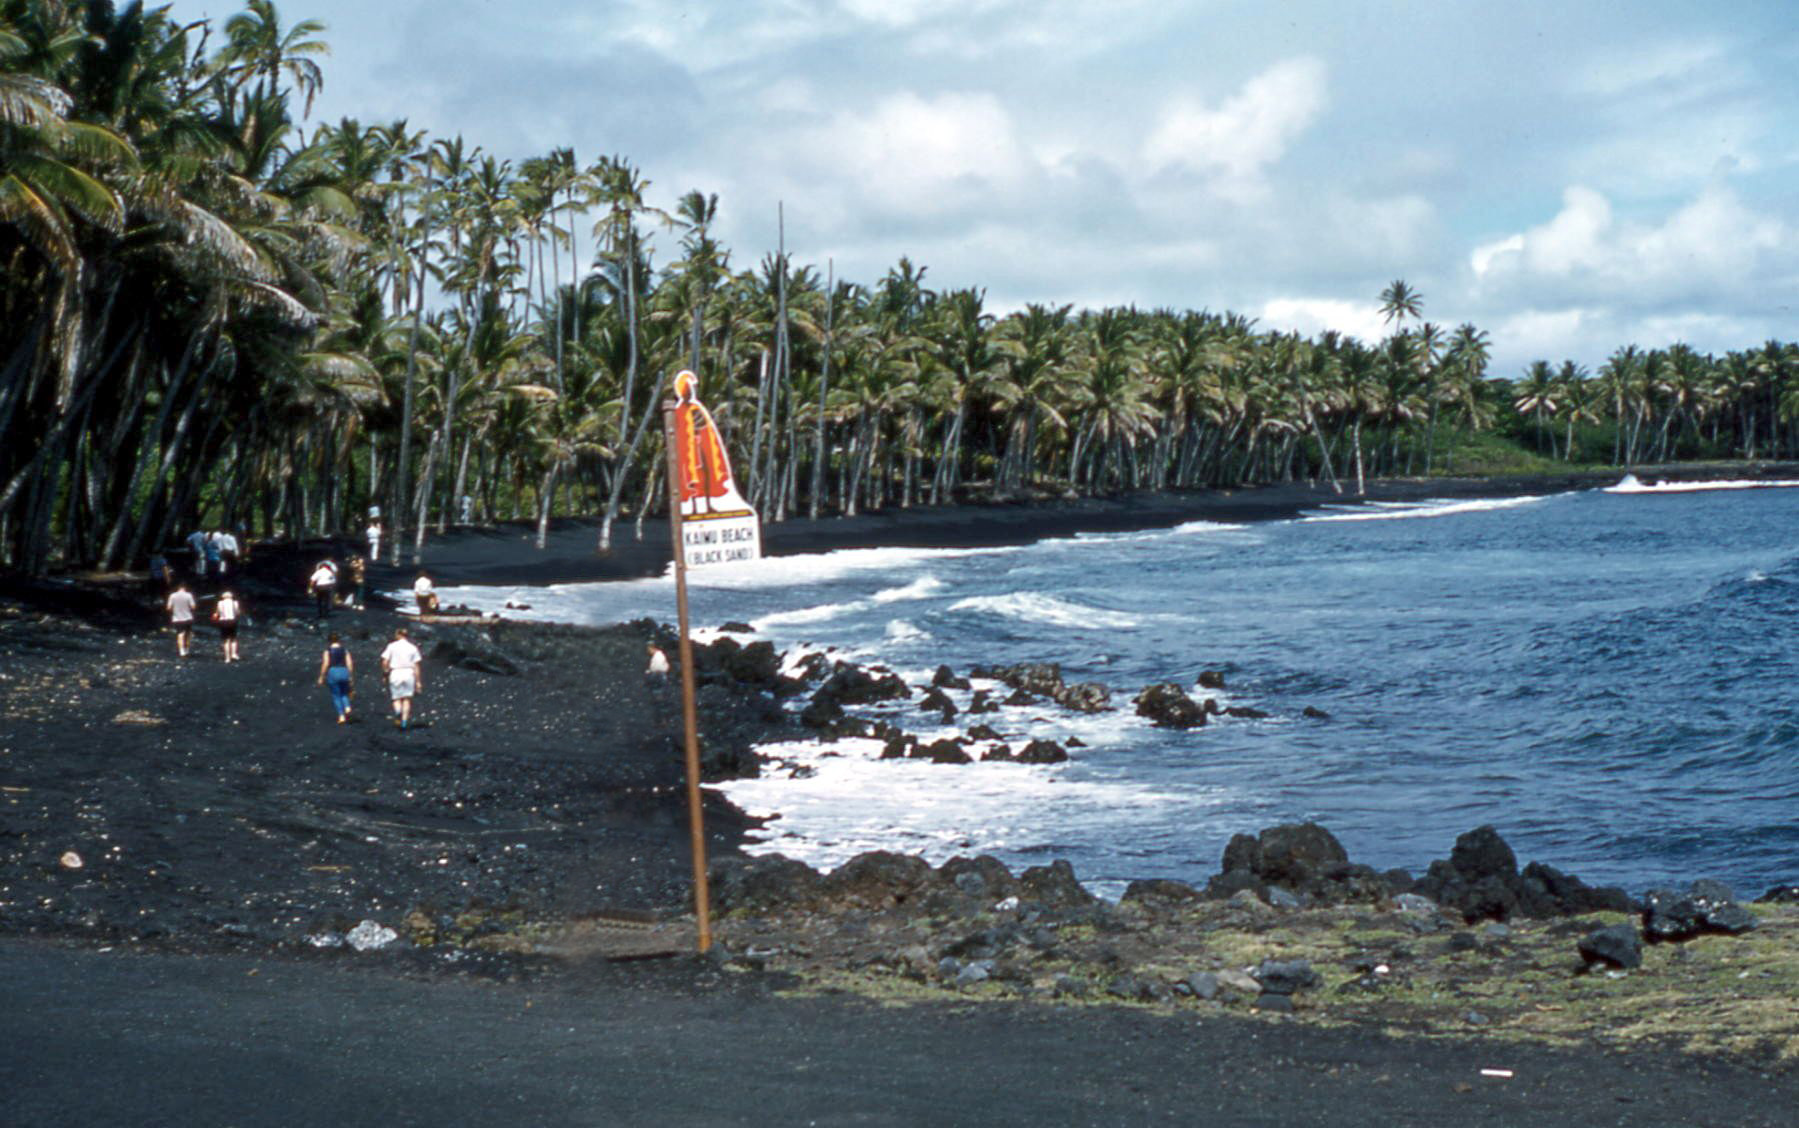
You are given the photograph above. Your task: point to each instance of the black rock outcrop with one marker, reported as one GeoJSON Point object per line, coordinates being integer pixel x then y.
{"type": "Point", "coordinates": [1167, 705]}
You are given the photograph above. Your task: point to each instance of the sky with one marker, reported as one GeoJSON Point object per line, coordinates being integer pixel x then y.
{"type": "Point", "coordinates": [1569, 177]}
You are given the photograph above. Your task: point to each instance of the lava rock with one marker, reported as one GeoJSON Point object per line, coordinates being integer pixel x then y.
{"type": "Point", "coordinates": [757, 664]}
{"type": "Point", "coordinates": [1042, 752]}
{"type": "Point", "coordinates": [881, 879]}
{"type": "Point", "coordinates": [1211, 679]}
{"type": "Point", "coordinates": [1483, 853]}
{"type": "Point", "coordinates": [1705, 907]}
{"type": "Point", "coordinates": [983, 876]}
{"type": "Point", "coordinates": [852, 685]}
{"type": "Point", "coordinates": [1055, 886]}
{"type": "Point", "coordinates": [1085, 697]}
{"type": "Point", "coordinates": [763, 883]}
{"type": "Point", "coordinates": [735, 627]}
{"type": "Point", "coordinates": [1619, 946]}
{"type": "Point", "coordinates": [1315, 713]}
{"type": "Point", "coordinates": [1294, 853]}
{"type": "Point", "coordinates": [1168, 706]}
{"type": "Point", "coordinates": [1781, 895]}
{"type": "Point", "coordinates": [1040, 679]}
{"type": "Point", "coordinates": [937, 701]}
{"type": "Point", "coordinates": [1160, 891]}
{"type": "Point", "coordinates": [1244, 712]}
{"type": "Point", "coordinates": [470, 650]}
{"type": "Point", "coordinates": [821, 713]}
{"type": "Point", "coordinates": [982, 702]}
{"type": "Point", "coordinates": [945, 678]}
{"type": "Point", "coordinates": [946, 752]}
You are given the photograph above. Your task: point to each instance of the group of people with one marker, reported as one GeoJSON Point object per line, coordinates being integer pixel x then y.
{"type": "Point", "coordinates": [215, 553]}
{"type": "Point", "coordinates": [183, 608]}
{"type": "Point", "coordinates": [402, 666]}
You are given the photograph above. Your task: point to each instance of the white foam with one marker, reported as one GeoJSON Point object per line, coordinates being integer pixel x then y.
{"type": "Point", "coordinates": [901, 631]}
{"type": "Point", "coordinates": [823, 612]}
{"type": "Point", "coordinates": [1032, 607]}
{"type": "Point", "coordinates": [1631, 485]}
{"type": "Point", "coordinates": [849, 801]}
{"type": "Point", "coordinates": [793, 571]}
{"type": "Point", "coordinates": [922, 588]}
{"type": "Point", "coordinates": [1399, 510]}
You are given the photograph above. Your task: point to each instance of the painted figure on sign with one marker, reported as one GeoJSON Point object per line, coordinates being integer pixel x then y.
{"type": "Point", "coordinates": [704, 469]}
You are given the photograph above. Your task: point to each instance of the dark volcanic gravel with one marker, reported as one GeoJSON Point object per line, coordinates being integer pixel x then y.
{"type": "Point", "coordinates": [213, 804]}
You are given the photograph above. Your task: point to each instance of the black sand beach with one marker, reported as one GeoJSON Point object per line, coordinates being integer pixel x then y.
{"type": "Point", "coordinates": [184, 845]}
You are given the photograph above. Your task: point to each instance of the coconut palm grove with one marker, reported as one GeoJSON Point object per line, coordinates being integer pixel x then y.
{"type": "Point", "coordinates": [218, 311]}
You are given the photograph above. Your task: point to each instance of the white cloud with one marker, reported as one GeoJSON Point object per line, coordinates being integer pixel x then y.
{"type": "Point", "coordinates": [921, 156]}
{"type": "Point", "coordinates": [1244, 135]}
{"type": "Point", "coordinates": [1361, 320]}
{"type": "Point", "coordinates": [1714, 239]}
{"type": "Point", "coordinates": [1547, 334]}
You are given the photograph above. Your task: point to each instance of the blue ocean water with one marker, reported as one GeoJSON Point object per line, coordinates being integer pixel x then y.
{"type": "Point", "coordinates": [1607, 678]}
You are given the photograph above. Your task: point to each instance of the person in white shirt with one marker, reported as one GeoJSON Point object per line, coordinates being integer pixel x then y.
{"type": "Point", "coordinates": [225, 613]}
{"type": "Point", "coordinates": [425, 593]}
{"type": "Point", "coordinates": [657, 672]}
{"type": "Point", "coordinates": [403, 665]}
{"type": "Point", "coordinates": [323, 586]}
{"type": "Point", "coordinates": [373, 532]}
{"type": "Point", "coordinates": [181, 616]}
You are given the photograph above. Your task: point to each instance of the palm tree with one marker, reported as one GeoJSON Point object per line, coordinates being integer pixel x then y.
{"type": "Point", "coordinates": [1537, 395]}
{"type": "Point", "coordinates": [1399, 301]}
{"type": "Point", "coordinates": [258, 50]}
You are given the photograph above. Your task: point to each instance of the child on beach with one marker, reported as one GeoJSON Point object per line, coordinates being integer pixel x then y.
{"type": "Point", "coordinates": [402, 663]}
{"type": "Point", "coordinates": [336, 669]}
{"type": "Point", "coordinates": [226, 613]}
{"type": "Point", "coordinates": [181, 616]}
{"type": "Point", "coordinates": [657, 672]}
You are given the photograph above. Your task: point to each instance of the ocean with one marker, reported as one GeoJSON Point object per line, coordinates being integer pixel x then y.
{"type": "Point", "coordinates": [1607, 677]}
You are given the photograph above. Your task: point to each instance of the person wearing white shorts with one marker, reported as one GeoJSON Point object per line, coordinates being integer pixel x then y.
{"type": "Point", "coordinates": [402, 663]}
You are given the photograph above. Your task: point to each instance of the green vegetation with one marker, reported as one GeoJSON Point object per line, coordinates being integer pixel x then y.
{"type": "Point", "coordinates": [217, 315]}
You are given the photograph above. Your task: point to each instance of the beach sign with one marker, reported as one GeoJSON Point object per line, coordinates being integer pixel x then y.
{"type": "Point", "coordinates": [710, 525]}
{"type": "Point", "coordinates": [717, 525]}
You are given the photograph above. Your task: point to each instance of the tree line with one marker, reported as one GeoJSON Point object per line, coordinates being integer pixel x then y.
{"type": "Point", "coordinates": [214, 314]}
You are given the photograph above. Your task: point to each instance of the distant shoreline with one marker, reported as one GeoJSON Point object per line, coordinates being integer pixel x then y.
{"type": "Point", "coordinates": [505, 554]}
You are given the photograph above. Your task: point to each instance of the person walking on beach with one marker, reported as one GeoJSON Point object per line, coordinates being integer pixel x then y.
{"type": "Point", "coordinates": [358, 569]}
{"type": "Point", "coordinates": [181, 616]}
{"type": "Point", "coordinates": [336, 669]}
{"type": "Point", "coordinates": [196, 543]}
{"type": "Point", "coordinates": [226, 614]}
{"type": "Point", "coordinates": [425, 593]}
{"type": "Point", "coordinates": [162, 577]}
{"type": "Point", "coordinates": [323, 586]}
{"type": "Point", "coordinates": [228, 550]}
{"type": "Point", "coordinates": [402, 663]}
{"type": "Point", "coordinates": [215, 556]}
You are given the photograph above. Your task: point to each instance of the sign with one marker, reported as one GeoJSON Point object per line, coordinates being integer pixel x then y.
{"type": "Point", "coordinates": [716, 525]}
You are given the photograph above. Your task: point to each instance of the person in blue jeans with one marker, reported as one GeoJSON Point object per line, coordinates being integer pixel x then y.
{"type": "Point", "coordinates": [336, 668]}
